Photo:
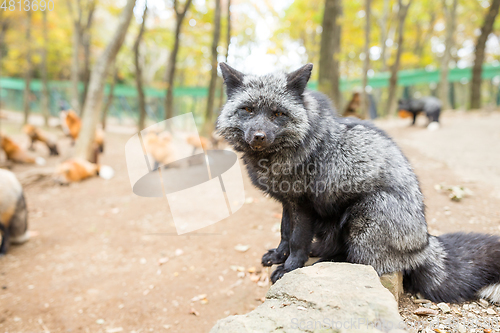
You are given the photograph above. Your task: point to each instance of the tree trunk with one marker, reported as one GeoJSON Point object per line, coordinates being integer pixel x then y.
{"type": "Point", "coordinates": [337, 96]}
{"type": "Point", "coordinates": [27, 72]}
{"type": "Point", "coordinates": [444, 86]}
{"type": "Point", "coordinates": [365, 104]}
{"type": "Point", "coordinates": [111, 95]}
{"type": "Point", "coordinates": [326, 49]}
{"type": "Point", "coordinates": [208, 128]}
{"type": "Point", "coordinates": [138, 71]}
{"type": "Point", "coordinates": [228, 42]}
{"type": "Point", "coordinates": [3, 28]}
{"type": "Point", "coordinates": [419, 50]}
{"type": "Point", "coordinates": [477, 69]}
{"type": "Point", "coordinates": [45, 85]}
{"type": "Point", "coordinates": [172, 59]}
{"type": "Point", "coordinates": [92, 112]}
{"type": "Point", "coordinates": [329, 75]}
{"type": "Point", "coordinates": [383, 22]}
{"type": "Point", "coordinates": [75, 68]}
{"type": "Point", "coordinates": [391, 102]}
{"type": "Point", "coordinates": [86, 38]}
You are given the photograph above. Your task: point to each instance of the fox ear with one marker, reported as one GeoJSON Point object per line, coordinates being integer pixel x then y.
{"type": "Point", "coordinates": [232, 78]}
{"type": "Point", "coordinates": [297, 81]}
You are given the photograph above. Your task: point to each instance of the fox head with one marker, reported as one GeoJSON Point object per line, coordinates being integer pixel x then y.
{"type": "Point", "coordinates": [264, 113]}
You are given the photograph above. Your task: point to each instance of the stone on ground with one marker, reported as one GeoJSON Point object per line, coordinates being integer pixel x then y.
{"type": "Point", "coordinates": [326, 297]}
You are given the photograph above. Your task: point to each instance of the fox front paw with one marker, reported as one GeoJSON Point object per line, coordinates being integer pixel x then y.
{"type": "Point", "coordinates": [278, 273]}
{"type": "Point", "coordinates": [274, 257]}
{"type": "Point", "coordinates": [293, 262]}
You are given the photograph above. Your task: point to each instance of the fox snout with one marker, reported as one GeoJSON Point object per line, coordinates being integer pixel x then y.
{"type": "Point", "coordinates": [258, 140]}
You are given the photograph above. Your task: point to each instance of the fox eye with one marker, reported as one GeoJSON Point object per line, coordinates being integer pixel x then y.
{"type": "Point", "coordinates": [278, 114]}
{"type": "Point", "coordinates": [247, 109]}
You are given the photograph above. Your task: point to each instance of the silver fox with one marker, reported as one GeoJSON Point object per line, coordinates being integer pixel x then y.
{"type": "Point", "coordinates": [348, 192]}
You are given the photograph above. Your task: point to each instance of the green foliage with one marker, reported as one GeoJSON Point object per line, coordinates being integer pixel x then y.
{"type": "Point", "coordinates": [296, 31]}
{"type": "Point", "coordinates": [424, 30]}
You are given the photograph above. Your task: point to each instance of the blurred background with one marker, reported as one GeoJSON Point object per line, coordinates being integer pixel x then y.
{"type": "Point", "coordinates": [53, 52]}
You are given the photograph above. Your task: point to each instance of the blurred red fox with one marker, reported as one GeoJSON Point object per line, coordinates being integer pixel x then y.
{"type": "Point", "coordinates": [71, 124]}
{"type": "Point", "coordinates": [351, 110]}
{"type": "Point", "coordinates": [198, 142]}
{"type": "Point", "coordinates": [13, 212]}
{"type": "Point", "coordinates": [37, 134]}
{"type": "Point", "coordinates": [16, 154]}
{"type": "Point", "coordinates": [159, 146]}
{"type": "Point", "coordinates": [99, 138]}
{"type": "Point", "coordinates": [404, 114]}
{"type": "Point", "coordinates": [76, 170]}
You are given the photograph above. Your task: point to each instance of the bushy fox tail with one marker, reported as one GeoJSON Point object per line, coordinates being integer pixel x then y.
{"type": "Point", "coordinates": [461, 267]}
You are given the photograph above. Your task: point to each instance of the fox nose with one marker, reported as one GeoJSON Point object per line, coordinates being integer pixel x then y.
{"type": "Point", "coordinates": [259, 137]}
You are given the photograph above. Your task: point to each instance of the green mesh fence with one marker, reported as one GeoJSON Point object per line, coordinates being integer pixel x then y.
{"type": "Point", "coordinates": [192, 99]}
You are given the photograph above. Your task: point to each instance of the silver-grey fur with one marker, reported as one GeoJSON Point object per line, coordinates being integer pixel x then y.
{"type": "Point", "coordinates": [348, 192]}
{"type": "Point", "coordinates": [13, 212]}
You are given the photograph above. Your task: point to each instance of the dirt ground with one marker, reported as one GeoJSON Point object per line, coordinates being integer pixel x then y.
{"type": "Point", "coordinates": [102, 259]}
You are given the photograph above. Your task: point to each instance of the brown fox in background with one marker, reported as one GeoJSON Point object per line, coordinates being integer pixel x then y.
{"type": "Point", "coordinates": [198, 142]}
{"type": "Point", "coordinates": [352, 108]}
{"type": "Point", "coordinates": [13, 212]}
{"type": "Point", "coordinates": [77, 169]}
{"type": "Point", "coordinates": [37, 134]}
{"type": "Point", "coordinates": [17, 154]}
{"type": "Point", "coordinates": [159, 146]}
{"type": "Point", "coordinates": [71, 124]}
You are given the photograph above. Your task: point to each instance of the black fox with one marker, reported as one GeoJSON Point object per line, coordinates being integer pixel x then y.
{"type": "Point", "coordinates": [348, 192]}
{"type": "Point", "coordinates": [430, 105]}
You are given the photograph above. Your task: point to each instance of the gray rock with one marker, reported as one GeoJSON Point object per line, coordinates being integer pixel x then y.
{"type": "Point", "coordinates": [326, 297]}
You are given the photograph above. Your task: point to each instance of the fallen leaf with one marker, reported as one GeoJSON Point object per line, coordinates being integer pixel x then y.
{"type": "Point", "coordinates": [241, 248]}
{"type": "Point", "coordinates": [162, 261]}
{"type": "Point", "coordinates": [421, 301]}
{"type": "Point", "coordinates": [426, 312]}
{"type": "Point", "coordinates": [254, 277]}
{"type": "Point", "coordinates": [199, 297]}
{"type": "Point", "coordinates": [237, 268]}
{"type": "Point", "coordinates": [194, 312]}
